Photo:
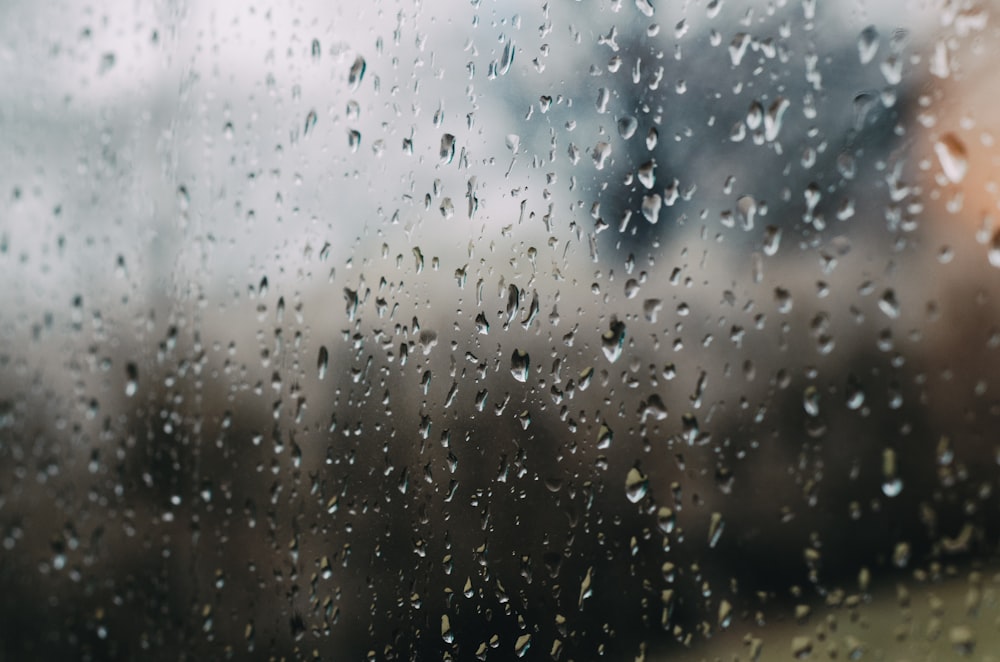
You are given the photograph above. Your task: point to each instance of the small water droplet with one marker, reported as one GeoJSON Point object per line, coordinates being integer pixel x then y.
{"type": "Point", "coordinates": [602, 151]}
{"type": "Point", "coordinates": [446, 632]}
{"type": "Point", "coordinates": [888, 304]}
{"type": "Point", "coordinates": [132, 379]}
{"type": "Point", "coordinates": [810, 400]}
{"type": "Point", "coordinates": [953, 157]}
{"type": "Point", "coordinates": [627, 126]}
{"type": "Point", "coordinates": [522, 645]}
{"type": "Point", "coordinates": [772, 120]}
{"type": "Point", "coordinates": [738, 48]}
{"type": "Point", "coordinates": [354, 139]}
{"type": "Point", "coordinates": [772, 240]}
{"type": "Point", "coordinates": [613, 340]}
{"type": "Point", "coordinates": [357, 72]}
{"type": "Point", "coordinates": [604, 436]}
{"type": "Point", "coordinates": [520, 365]}
{"type": "Point", "coordinates": [868, 44]}
{"type": "Point", "coordinates": [322, 361]}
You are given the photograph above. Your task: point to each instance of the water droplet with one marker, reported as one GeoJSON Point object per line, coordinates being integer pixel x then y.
{"type": "Point", "coordinates": [586, 590]}
{"type": "Point", "coordinates": [522, 645]}
{"type": "Point", "coordinates": [772, 120]}
{"type": "Point", "coordinates": [654, 408]}
{"type": "Point", "coordinates": [892, 484]}
{"type": "Point", "coordinates": [357, 72]}
{"type": "Point", "coordinates": [810, 400]}
{"type": "Point", "coordinates": [854, 394]}
{"type": "Point", "coordinates": [613, 340]}
{"type": "Point", "coordinates": [602, 151]}
{"type": "Point", "coordinates": [725, 614]}
{"type": "Point", "coordinates": [446, 632]}
{"type": "Point", "coordinates": [636, 485]}
{"type": "Point", "coordinates": [715, 527]}
{"type": "Point", "coordinates": [507, 58]}
{"type": "Point", "coordinates": [627, 126]}
{"type": "Point", "coordinates": [651, 206]}
{"type": "Point", "coordinates": [354, 139]}
{"type": "Point", "coordinates": [647, 174]}
{"type": "Point", "coordinates": [604, 436]}
{"type": "Point", "coordinates": [519, 365]}
{"type": "Point", "coordinates": [953, 157]}
{"type": "Point", "coordinates": [772, 240]}
{"type": "Point", "coordinates": [868, 44]}
{"type": "Point", "coordinates": [738, 48]}
{"type": "Point", "coordinates": [447, 151]}
{"type": "Point", "coordinates": [889, 305]}
{"type": "Point", "coordinates": [802, 647]}
{"type": "Point", "coordinates": [132, 379]}
{"type": "Point", "coordinates": [603, 97]}
{"type": "Point", "coordinates": [962, 639]}
{"type": "Point", "coordinates": [322, 361]}
{"type": "Point", "coordinates": [746, 209]}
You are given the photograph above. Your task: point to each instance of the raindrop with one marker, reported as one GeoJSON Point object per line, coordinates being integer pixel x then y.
{"type": "Point", "coordinates": [602, 151]}
{"type": "Point", "coordinates": [132, 379]}
{"type": "Point", "coordinates": [892, 484]}
{"type": "Point", "coordinates": [603, 96]}
{"type": "Point", "coordinates": [627, 126]}
{"type": "Point", "coordinates": [613, 340]}
{"type": "Point", "coordinates": [746, 209]}
{"type": "Point", "coordinates": [953, 157]}
{"type": "Point", "coordinates": [357, 72]}
{"type": "Point", "coordinates": [446, 631]}
{"type": "Point", "coordinates": [636, 485]}
{"type": "Point", "coordinates": [889, 305]}
{"type": "Point", "coordinates": [810, 400]}
{"type": "Point", "coordinates": [772, 240]}
{"type": "Point", "coordinates": [868, 44]}
{"type": "Point", "coordinates": [507, 58]}
{"type": "Point", "coordinates": [646, 174]}
{"type": "Point", "coordinates": [519, 365]}
{"type": "Point", "coordinates": [665, 519]}
{"type": "Point", "coordinates": [772, 120]}
{"type": "Point", "coordinates": [651, 206]}
{"type": "Point", "coordinates": [447, 151]}
{"type": "Point", "coordinates": [354, 139]}
{"type": "Point", "coordinates": [738, 48]}
{"type": "Point", "coordinates": [322, 361]}
{"type": "Point", "coordinates": [604, 436]}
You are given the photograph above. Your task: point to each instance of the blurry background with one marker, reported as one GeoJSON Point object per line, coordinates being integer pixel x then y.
{"type": "Point", "coordinates": [491, 329]}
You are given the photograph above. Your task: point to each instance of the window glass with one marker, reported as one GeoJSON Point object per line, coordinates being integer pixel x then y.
{"type": "Point", "coordinates": [482, 330]}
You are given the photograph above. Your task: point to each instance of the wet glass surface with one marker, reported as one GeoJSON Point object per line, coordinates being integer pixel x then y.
{"type": "Point", "coordinates": [482, 330]}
